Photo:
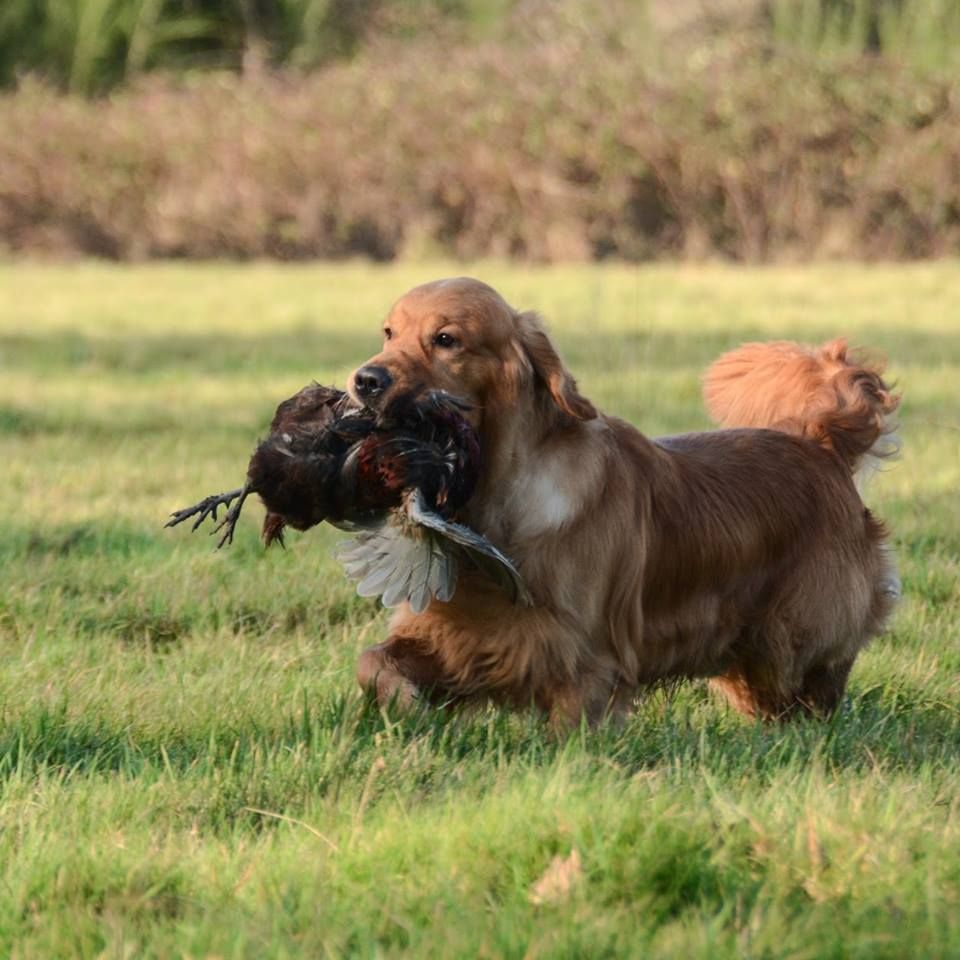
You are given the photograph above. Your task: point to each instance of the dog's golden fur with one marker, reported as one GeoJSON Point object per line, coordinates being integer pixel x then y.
{"type": "Point", "coordinates": [742, 555]}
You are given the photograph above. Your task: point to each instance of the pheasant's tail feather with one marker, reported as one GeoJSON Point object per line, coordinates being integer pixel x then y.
{"type": "Point", "coordinates": [272, 529]}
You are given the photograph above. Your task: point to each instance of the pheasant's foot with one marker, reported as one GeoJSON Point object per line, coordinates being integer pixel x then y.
{"type": "Point", "coordinates": [207, 507]}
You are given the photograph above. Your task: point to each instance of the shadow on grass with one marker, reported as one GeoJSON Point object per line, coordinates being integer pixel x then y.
{"type": "Point", "coordinates": [306, 346]}
{"type": "Point", "coordinates": [188, 354]}
{"type": "Point", "coordinates": [85, 539]}
{"type": "Point", "coordinates": [311, 351]}
{"type": "Point", "coordinates": [22, 422]}
{"type": "Point", "coordinates": [112, 539]}
{"type": "Point", "coordinates": [340, 737]}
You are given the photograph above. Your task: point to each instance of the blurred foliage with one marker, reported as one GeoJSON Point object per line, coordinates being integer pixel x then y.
{"type": "Point", "coordinates": [90, 46]}
{"type": "Point", "coordinates": [538, 129]}
{"type": "Point", "coordinates": [737, 155]}
{"type": "Point", "coordinates": [922, 33]}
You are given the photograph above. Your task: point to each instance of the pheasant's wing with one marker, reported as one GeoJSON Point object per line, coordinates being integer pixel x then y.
{"type": "Point", "coordinates": [400, 568]}
{"type": "Point", "coordinates": [481, 551]}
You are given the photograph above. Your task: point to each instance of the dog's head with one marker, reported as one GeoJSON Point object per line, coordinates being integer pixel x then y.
{"type": "Point", "coordinates": [462, 337]}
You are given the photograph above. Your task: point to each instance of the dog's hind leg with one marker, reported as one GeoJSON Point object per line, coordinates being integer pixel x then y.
{"type": "Point", "coordinates": [750, 695]}
{"type": "Point", "coordinates": [818, 693]}
{"type": "Point", "coordinates": [823, 687]}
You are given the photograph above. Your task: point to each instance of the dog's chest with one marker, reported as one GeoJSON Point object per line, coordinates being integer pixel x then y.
{"type": "Point", "coordinates": [542, 502]}
{"type": "Point", "coordinates": [552, 489]}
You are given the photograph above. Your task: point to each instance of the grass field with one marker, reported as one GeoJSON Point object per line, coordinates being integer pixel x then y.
{"type": "Point", "coordinates": [187, 769]}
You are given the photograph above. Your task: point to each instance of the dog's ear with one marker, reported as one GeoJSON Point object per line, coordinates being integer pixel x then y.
{"type": "Point", "coordinates": [542, 356]}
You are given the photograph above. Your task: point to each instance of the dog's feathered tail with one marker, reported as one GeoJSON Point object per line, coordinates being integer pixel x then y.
{"type": "Point", "coordinates": [827, 394]}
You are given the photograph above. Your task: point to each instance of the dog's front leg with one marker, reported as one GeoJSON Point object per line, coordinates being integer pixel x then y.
{"type": "Point", "coordinates": [398, 672]}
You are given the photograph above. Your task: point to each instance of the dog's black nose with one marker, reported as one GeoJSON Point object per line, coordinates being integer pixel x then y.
{"type": "Point", "coordinates": [369, 382]}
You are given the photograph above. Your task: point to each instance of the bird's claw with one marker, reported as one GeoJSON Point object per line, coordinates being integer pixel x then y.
{"type": "Point", "coordinates": [209, 507]}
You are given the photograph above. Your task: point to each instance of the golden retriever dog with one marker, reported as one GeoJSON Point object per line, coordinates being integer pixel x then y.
{"type": "Point", "coordinates": [741, 555]}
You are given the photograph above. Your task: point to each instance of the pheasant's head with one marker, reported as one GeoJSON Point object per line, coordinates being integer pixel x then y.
{"type": "Point", "coordinates": [427, 445]}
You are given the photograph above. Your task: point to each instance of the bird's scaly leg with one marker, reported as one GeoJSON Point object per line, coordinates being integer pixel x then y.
{"type": "Point", "coordinates": [229, 523]}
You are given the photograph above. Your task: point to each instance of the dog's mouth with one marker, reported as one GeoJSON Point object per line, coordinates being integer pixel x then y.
{"type": "Point", "coordinates": [410, 404]}
{"type": "Point", "coordinates": [419, 403]}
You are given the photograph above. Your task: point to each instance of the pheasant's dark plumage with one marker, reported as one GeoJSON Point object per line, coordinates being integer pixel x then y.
{"type": "Point", "coordinates": [396, 477]}
{"type": "Point", "coordinates": [326, 459]}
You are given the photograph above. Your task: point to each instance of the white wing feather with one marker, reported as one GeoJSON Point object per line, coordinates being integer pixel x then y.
{"type": "Point", "coordinates": [416, 562]}
{"type": "Point", "coordinates": [479, 549]}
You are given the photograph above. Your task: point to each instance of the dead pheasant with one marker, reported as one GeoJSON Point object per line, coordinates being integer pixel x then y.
{"type": "Point", "coordinates": [395, 478]}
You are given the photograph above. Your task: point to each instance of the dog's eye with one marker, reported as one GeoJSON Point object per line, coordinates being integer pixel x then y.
{"type": "Point", "coordinates": [387, 333]}
{"type": "Point", "coordinates": [445, 340]}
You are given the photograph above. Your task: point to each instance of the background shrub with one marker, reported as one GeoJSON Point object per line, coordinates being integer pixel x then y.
{"type": "Point", "coordinates": [564, 132]}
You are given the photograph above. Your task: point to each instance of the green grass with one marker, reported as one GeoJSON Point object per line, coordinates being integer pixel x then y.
{"type": "Point", "coordinates": [186, 767]}
{"type": "Point", "coordinates": [920, 33]}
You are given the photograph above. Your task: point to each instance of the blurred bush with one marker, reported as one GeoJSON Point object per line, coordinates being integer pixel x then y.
{"type": "Point", "coordinates": [573, 132]}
